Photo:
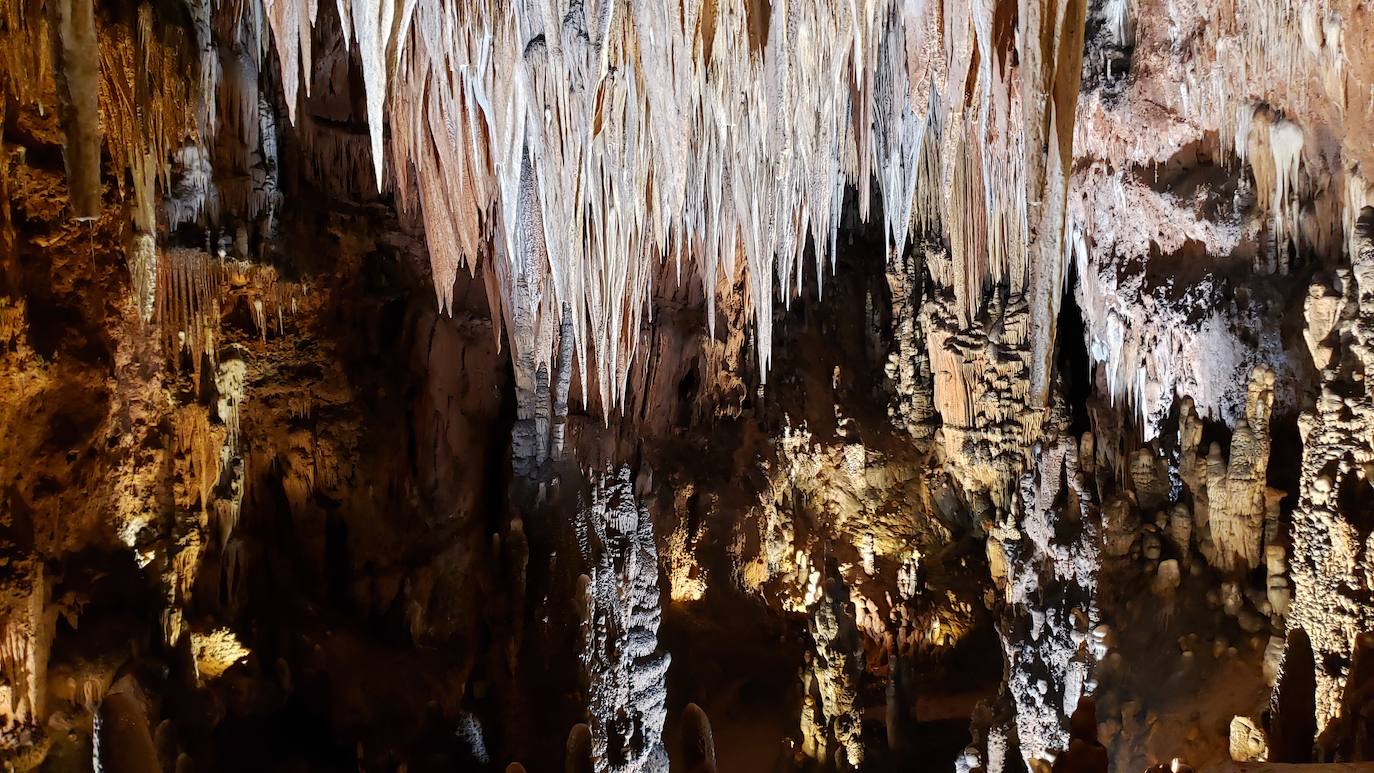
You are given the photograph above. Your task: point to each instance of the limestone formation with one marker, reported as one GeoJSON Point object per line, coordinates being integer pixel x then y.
{"type": "Point", "coordinates": [623, 666]}
{"type": "Point", "coordinates": [25, 641]}
{"type": "Point", "coordinates": [1050, 606]}
{"type": "Point", "coordinates": [1248, 741]}
{"type": "Point", "coordinates": [1330, 561]}
{"type": "Point", "coordinates": [1231, 498]}
{"type": "Point", "coordinates": [1015, 354]}
{"type": "Point", "coordinates": [216, 652]}
{"type": "Point", "coordinates": [698, 746]}
{"type": "Point", "coordinates": [830, 714]}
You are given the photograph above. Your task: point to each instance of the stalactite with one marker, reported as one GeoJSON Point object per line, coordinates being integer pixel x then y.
{"type": "Point", "coordinates": [143, 258]}
{"type": "Point", "coordinates": [191, 192]}
{"type": "Point", "coordinates": [562, 382]}
{"type": "Point", "coordinates": [1149, 348]}
{"type": "Point", "coordinates": [188, 303]}
{"type": "Point", "coordinates": [574, 148]}
{"type": "Point", "coordinates": [230, 381]}
{"type": "Point", "coordinates": [76, 54]}
{"type": "Point", "coordinates": [1285, 142]}
{"type": "Point", "coordinates": [27, 49]}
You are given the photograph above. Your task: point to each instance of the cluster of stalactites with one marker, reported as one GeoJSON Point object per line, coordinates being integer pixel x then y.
{"type": "Point", "coordinates": [193, 289]}
{"type": "Point", "coordinates": [120, 83]}
{"type": "Point", "coordinates": [576, 145]}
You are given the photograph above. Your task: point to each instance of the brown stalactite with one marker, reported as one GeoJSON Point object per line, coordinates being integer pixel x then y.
{"type": "Point", "coordinates": [76, 55]}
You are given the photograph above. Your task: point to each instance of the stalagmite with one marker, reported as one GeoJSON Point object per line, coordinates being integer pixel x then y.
{"type": "Point", "coordinates": [578, 753]}
{"type": "Point", "coordinates": [1051, 598]}
{"type": "Point", "coordinates": [1235, 493]}
{"type": "Point", "coordinates": [623, 667]}
{"type": "Point", "coordinates": [834, 675]}
{"type": "Point", "coordinates": [1248, 742]}
{"type": "Point", "coordinates": [698, 746]}
{"type": "Point", "coordinates": [1278, 589]}
{"type": "Point", "coordinates": [125, 740]}
{"type": "Point", "coordinates": [1330, 562]}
